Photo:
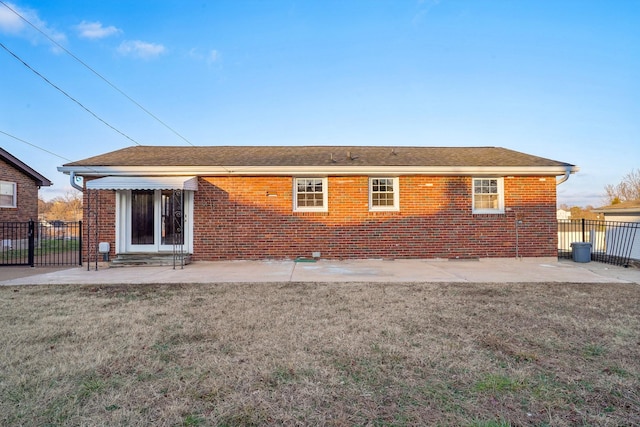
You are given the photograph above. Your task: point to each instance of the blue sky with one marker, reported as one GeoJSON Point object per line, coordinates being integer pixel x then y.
{"type": "Point", "coordinates": [557, 79]}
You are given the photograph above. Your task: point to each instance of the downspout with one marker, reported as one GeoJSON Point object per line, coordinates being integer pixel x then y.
{"type": "Point", "coordinates": [567, 173]}
{"type": "Point", "coordinates": [518, 222]}
{"type": "Point", "coordinates": [72, 179]}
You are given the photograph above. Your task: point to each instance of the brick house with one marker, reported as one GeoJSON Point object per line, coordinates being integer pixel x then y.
{"type": "Point", "coordinates": [19, 186]}
{"type": "Point", "coordinates": [328, 201]}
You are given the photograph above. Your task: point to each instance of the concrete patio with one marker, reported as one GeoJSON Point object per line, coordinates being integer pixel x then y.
{"type": "Point", "coordinates": [392, 271]}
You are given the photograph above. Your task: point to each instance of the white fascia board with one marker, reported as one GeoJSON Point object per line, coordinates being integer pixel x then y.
{"type": "Point", "coordinates": [313, 170]}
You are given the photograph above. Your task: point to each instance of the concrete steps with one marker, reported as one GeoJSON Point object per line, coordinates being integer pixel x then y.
{"type": "Point", "coordinates": [148, 259]}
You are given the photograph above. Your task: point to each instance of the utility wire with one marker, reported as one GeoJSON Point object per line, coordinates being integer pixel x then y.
{"type": "Point", "coordinates": [35, 146]}
{"type": "Point", "coordinates": [67, 95]}
{"type": "Point", "coordinates": [39, 148]}
{"type": "Point", "coordinates": [97, 74]}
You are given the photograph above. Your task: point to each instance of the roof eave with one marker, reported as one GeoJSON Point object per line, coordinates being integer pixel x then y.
{"type": "Point", "coordinates": [617, 211]}
{"type": "Point", "coordinates": [40, 180]}
{"type": "Point", "coordinates": [316, 170]}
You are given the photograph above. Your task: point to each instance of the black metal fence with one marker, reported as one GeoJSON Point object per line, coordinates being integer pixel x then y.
{"type": "Point", "coordinates": [31, 243]}
{"type": "Point", "coordinates": [612, 242]}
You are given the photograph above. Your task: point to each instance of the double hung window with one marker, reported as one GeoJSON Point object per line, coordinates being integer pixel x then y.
{"type": "Point", "coordinates": [7, 194]}
{"type": "Point", "coordinates": [383, 194]}
{"type": "Point", "coordinates": [488, 195]}
{"type": "Point", "coordinates": [310, 194]}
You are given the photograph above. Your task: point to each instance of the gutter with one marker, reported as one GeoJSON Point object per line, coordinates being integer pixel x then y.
{"type": "Point", "coordinates": [72, 180]}
{"type": "Point", "coordinates": [567, 172]}
{"type": "Point", "coordinates": [317, 170]}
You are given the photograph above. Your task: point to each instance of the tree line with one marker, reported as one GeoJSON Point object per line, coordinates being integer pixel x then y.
{"type": "Point", "coordinates": [626, 190]}
{"type": "Point", "coordinates": [61, 208]}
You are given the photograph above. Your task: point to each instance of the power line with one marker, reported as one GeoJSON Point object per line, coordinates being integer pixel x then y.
{"type": "Point", "coordinates": [35, 146]}
{"type": "Point", "coordinates": [98, 74]}
{"type": "Point", "coordinates": [67, 95]}
{"type": "Point", "coordinates": [39, 148]}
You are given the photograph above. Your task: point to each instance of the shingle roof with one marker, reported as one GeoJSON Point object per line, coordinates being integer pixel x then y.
{"type": "Point", "coordinates": [627, 206]}
{"type": "Point", "coordinates": [40, 180]}
{"type": "Point", "coordinates": [317, 156]}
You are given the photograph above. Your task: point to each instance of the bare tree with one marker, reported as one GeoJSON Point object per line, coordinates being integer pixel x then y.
{"type": "Point", "coordinates": [627, 189]}
{"type": "Point", "coordinates": [64, 208]}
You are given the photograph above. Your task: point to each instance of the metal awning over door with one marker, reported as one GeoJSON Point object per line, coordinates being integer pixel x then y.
{"type": "Point", "coordinates": [144, 183]}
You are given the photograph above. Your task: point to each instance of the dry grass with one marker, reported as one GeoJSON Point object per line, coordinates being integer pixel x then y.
{"type": "Point", "coordinates": [321, 354]}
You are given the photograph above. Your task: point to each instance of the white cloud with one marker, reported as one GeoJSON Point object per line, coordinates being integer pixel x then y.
{"type": "Point", "coordinates": [210, 57]}
{"type": "Point", "coordinates": [425, 7]}
{"type": "Point", "coordinates": [193, 53]}
{"type": "Point", "coordinates": [95, 30]}
{"type": "Point", "coordinates": [140, 49]}
{"type": "Point", "coordinates": [12, 23]}
{"type": "Point", "coordinates": [213, 56]}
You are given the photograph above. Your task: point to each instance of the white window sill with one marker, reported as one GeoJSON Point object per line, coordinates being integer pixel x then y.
{"type": "Point", "coordinates": [488, 212]}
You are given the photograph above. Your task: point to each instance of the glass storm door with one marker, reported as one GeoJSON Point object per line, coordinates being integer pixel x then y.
{"type": "Point", "coordinates": [156, 221]}
{"type": "Point", "coordinates": [172, 218]}
{"type": "Point", "coordinates": [142, 218]}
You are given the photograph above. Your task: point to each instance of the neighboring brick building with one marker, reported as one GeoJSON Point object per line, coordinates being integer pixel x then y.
{"type": "Point", "coordinates": [19, 186]}
{"type": "Point", "coordinates": [335, 202]}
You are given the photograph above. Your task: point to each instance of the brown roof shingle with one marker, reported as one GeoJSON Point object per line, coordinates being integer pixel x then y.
{"type": "Point", "coordinates": [622, 206]}
{"type": "Point", "coordinates": [316, 156]}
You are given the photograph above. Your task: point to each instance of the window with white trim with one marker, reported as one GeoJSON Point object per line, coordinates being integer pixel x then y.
{"type": "Point", "coordinates": [310, 194]}
{"type": "Point", "coordinates": [7, 194]}
{"type": "Point", "coordinates": [488, 195]}
{"type": "Point", "coordinates": [383, 194]}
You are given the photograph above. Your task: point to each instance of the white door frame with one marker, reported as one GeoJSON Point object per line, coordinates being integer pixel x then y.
{"type": "Point", "coordinates": [123, 224]}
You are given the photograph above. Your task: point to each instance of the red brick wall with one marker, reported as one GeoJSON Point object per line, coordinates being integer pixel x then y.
{"type": "Point", "coordinates": [235, 218]}
{"type": "Point", "coordinates": [252, 218]}
{"type": "Point", "coordinates": [27, 195]}
{"type": "Point", "coordinates": [98, 221]}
